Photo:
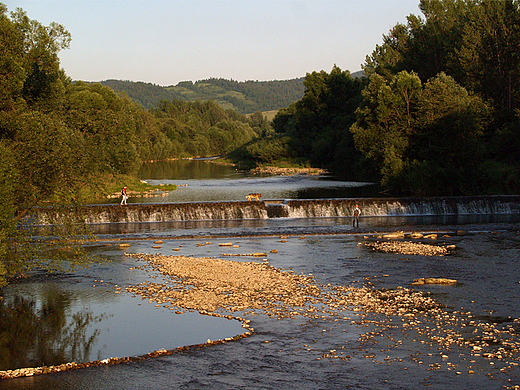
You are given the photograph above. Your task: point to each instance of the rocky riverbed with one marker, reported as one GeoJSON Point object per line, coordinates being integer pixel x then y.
{"type": "Point", "coordinates": [278, 171]}
{"type": "Point", "coordinates": [384, 318]}
{"type": "Point", "coordinates": [410, 248]}
{"type": "Point", "coordinates": [212, 285]}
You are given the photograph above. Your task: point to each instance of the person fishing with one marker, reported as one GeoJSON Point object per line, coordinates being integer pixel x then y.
{"type": "Point", "coordinates": [357, 213]}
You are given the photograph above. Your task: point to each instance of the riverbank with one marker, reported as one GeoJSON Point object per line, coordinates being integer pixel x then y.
{"type": "Point", "coordinates": [276, 170]}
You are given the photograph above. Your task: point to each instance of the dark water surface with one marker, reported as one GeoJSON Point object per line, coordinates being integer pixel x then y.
{"type": "Point", "coordinates": [80, 315]}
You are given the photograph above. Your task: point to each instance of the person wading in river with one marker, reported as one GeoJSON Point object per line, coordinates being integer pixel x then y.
{"type": "Point", "coordinates": [357, 213]}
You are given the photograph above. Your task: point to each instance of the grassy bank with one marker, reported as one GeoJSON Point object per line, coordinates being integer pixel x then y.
{"type": "Point", "coordinates": [109, 186]}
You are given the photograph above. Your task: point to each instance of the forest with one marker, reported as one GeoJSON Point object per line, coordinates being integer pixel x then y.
{"type": "Point", "coordinates": [436, 113]}
{"type": "Point", "coordinates": [245, 97]}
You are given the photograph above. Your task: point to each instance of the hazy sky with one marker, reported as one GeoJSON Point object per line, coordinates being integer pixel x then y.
{"type": "Point", "coordinates": [167, 41]}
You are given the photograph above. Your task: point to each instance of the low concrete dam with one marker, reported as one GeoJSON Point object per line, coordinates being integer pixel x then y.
{"type": "Point", "coordinates": [289, 208]}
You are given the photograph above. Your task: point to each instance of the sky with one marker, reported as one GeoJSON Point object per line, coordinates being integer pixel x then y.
{"type": "Point", "coordinates": [167, 41]}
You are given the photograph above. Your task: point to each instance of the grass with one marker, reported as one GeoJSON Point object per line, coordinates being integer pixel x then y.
{"type": "Point", "coordinates": [101, 187]}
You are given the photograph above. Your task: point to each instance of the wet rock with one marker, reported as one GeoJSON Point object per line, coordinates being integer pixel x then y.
{"type": "Point", "coordinates": [393, 235]}
{"type": "Point", "coordinates": [408, 248]}
{"type": "Point", "coordinates": [434, 281]}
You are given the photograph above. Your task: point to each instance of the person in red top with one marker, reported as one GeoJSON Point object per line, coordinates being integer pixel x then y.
{"type": "Point", "coordinates": [357, 213]}
{"type": "Point", "coordinates": [123, 195]}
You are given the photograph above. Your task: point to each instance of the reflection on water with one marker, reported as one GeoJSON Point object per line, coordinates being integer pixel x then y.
{"type": "Point", "coordinates": [64, 317]}
{"type": "Point", "coordinates": [35, 331]}
{"type": "Point", "coordinates": [200, 181]}
{"type": "Point", "coordinates": [189, 170]}
{"type": "Point", "coordinates": [50, 319]}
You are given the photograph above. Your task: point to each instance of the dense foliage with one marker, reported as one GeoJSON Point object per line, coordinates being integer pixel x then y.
{"type": "Point", "coordinates": [319, 123]}
{"type": "Point", "coordinates": [440, 113]}
{"type": "Point", "coordinates": [437, 113]}
{"type": "Point", "coordinates": [204, 128]}
{"type": "Point", "coordinates": [464, 117]}
{"type": "Point", "coordinates": [245, 97]}
{"type": "Point", "coordinates": [59, 139]}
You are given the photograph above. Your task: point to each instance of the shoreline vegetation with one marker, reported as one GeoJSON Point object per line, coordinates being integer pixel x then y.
{"type": "Point", "coordinates": [281, 168]}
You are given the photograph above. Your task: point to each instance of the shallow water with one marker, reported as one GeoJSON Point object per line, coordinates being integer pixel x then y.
{"type": "Point", "coordinates": [290, 353]}
{"type": "Point", "coordinates": [82, 316]}
{"type": "Point", "coordinates": [200, 180]}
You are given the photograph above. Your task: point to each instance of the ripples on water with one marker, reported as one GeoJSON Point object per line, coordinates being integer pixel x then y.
{"type": "Point", "coordinates": [79, 315]}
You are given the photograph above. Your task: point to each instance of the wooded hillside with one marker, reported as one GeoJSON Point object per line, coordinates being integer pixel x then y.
{"type": "Point", "coordinates": [245, 97]}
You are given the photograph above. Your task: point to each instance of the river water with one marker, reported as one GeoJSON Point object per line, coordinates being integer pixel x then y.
{"type": "Point", "coordinates": [82, 316]}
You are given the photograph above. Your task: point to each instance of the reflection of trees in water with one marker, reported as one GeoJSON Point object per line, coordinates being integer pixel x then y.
{"type": "Point", "coordinates": [33, 336]}
{"type": "Point", "coordinates": [184, 169]}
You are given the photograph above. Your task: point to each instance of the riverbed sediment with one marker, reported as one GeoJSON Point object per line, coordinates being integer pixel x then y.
{"type": "Point", "coordinates": [212, 285]}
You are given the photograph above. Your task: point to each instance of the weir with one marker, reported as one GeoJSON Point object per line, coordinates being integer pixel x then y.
{"type": "Point", "coordinates": [289, 208]}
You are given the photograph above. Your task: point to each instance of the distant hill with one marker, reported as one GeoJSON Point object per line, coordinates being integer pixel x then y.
{"type": "Point", "coordinates": [245, 97]}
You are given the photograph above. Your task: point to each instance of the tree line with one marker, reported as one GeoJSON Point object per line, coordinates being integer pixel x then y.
{"type": "Point", "coordinates": [246, 97]}
{"type": "Point", "coordinates": [438, 112]}
{"type": "Point", "coordinates": [59, 139]}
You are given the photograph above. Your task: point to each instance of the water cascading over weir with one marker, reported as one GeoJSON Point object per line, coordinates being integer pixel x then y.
{"type": "Point", "coordinates": [297, 208]}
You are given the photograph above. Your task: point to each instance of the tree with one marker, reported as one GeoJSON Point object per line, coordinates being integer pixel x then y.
{"type": "Point", "coordinates": [489, 56]}
{"type": "Point", "coordinates": [318, 123]}
{"type": "Point", "coordinates": [40, 47]}
{"type": "Point", "coordinates": [12, 74]}
{"type": "Point", "coordinates": [41, 155]}
{"type": "Point", "coordinates": [427, 139]}
{"type": "Point", "coordinates": [386, 120]}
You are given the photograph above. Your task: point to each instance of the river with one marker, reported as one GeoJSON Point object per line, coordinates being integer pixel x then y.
{"type": "Point", "coordinates": [82, 316]}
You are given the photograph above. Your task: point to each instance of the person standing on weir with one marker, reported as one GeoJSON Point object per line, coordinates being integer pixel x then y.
{"type": "Point", "coordinates": [357, 213]}
{"type": "Point", "coordinates": [123, 195]}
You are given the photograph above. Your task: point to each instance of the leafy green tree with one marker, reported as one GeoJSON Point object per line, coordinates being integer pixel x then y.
{"type": "Point", "coordinates": [427, 139]}
{"type": "Point", "coordinates": [41, 160]}
{"type": "Point", "coordinates": [40, 48]}
{"type": "Point", "coordinates": [204, 128]}
{"type": "Point", "coordinates": [387, 119]}
{"type": "Point", "coordinates": [268, 150]}
{"type": "Point", "coordinates": [426, 46]}
{"type": "Point", "coordinates": [489, 56]}
{"type": "Point", "coordinates": [12, 73]}
{"type": "Point", "coordinates": [319, 123]}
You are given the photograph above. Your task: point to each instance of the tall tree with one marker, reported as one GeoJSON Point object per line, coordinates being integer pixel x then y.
{"type": "Point", "coordinates": [489, 57]}
{"type": "Point", "coordinates": [318, 123]}
{"type": "Point", "coordinates": [426, 138]}
{"type": "Point", "coordinates": [40, 47]}
{"type": "Point", "coordinates": [386, 120]}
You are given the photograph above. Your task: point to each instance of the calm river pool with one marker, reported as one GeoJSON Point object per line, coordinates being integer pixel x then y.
{"type": "Point", "coordinates": [87, 315]}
